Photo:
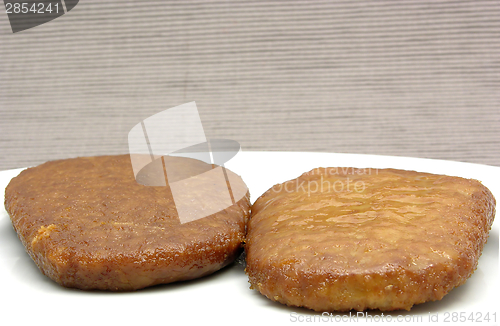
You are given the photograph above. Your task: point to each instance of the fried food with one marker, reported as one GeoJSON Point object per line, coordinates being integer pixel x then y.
{"type": "Point", "coordinates": [88, 224]}
{"type": "Point", "coordinates": [337, 239]}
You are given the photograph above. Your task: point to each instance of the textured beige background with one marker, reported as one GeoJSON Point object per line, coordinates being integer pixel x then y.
{"type": "Point", "coordinates": [410, 78]}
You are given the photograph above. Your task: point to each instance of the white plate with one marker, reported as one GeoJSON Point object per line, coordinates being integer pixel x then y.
{"type": "Point", "coordinates": [225, 297]}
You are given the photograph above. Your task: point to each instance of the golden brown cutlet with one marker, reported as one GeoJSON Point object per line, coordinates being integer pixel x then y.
{"type": "Point", "coordinates": [88, 224]}
{"type": "Point", "coordinates": [337, 239]}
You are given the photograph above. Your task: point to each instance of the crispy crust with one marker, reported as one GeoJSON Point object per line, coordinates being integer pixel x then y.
{"type": "Point", "coordinates": [88, 224]}
{"type": "Point", "coordinates": [337, 239]}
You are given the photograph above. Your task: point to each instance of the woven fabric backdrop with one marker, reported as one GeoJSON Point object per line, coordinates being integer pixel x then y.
{"type": "Point", "coordinates": [407, 78]}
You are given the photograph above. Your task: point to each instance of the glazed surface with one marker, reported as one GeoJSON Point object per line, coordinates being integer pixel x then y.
{"type": "Point", "coordinates": [88, 224]}
{"type": "Point", "coordinates": [345, 238]}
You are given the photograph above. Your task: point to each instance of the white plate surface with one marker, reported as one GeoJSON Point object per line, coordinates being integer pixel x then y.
{"type": "Point", "coordinates": [225, 297]}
